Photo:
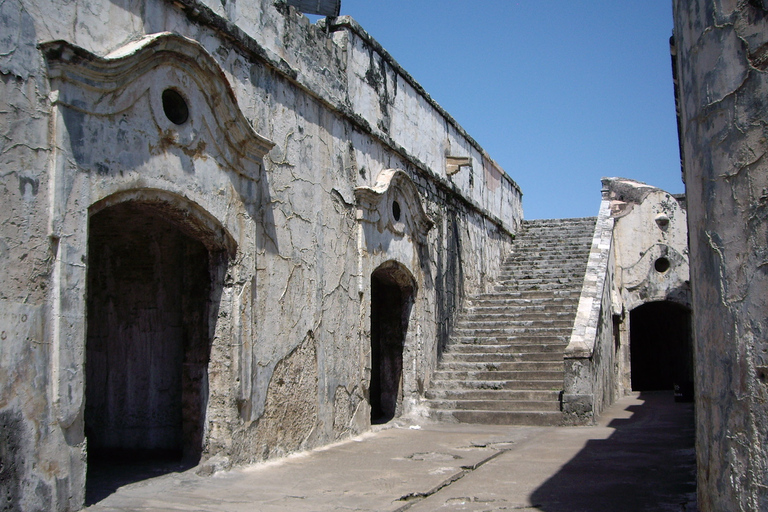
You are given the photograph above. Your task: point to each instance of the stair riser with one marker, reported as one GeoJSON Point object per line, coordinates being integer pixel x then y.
{"type": "Point", "coordinates": [555, 366]}
{"type": "Point", "coordinates": [447, 375]}
{"type": "Point", "coordinates": [509, 296]}
{"type": "Point", "coordinates": [499, 417]}
{"type": "Point", "coordinates": [504, 363]}
{"type": "Point", "coordinates": [494, 405]}
{"type": "Point", "coordinates": [502, 325]}
{"type": "Point", "coordinates": [516, 348]}
{"type": "Point", "coordinates": [491, 395]}
{"type": "Point", "coordinates": [487, 358]}
{"type": "Point", "coordinates": [528, 385]}
{"type": "Point", "coordinates": [479, 307]}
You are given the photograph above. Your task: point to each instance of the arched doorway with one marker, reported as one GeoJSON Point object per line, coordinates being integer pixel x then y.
{"type": "Point", "coordinates": [152, 291]}
{"type": "Point", "coordinates": [392, 295]}
{"type": "Point", "coordinates": [661, 349]}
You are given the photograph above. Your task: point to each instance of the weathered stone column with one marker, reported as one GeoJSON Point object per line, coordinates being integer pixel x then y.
{"type": "Point", "coordinates": [722, 82]}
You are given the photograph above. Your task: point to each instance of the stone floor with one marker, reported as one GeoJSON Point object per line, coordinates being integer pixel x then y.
{"type": "Point", "coordinates": [640, 457]}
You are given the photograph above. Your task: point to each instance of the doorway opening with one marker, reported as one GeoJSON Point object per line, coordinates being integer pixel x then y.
{"type": "Point", "coordinates": [151, 296]}
{"type": "Point", "coordinates": [392, 297]}
{"type": "Point", "coordinates": [661, 349]}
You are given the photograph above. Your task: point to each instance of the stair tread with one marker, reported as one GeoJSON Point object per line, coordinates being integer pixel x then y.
{"type": "Point", "coordinates": [504, 360]}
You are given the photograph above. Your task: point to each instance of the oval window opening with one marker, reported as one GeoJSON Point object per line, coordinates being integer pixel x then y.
{"type": "Point", "coordinates": [175, 107]}
{"type": "Point", "coordinates": [661, 265]}
{"type": "Point", "coordinates": [396, 210]}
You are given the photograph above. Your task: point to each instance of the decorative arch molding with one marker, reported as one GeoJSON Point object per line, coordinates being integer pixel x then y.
{"type": "Point", "coordinates": [644, 283]}
{"type": "Point", "coordinates": [398, 274]}
{"type": "Point", "coordinates": [115, 140]}
{"type": "Point", "coordinates": [191, 218]}
{"type": "Point", "coordinates": [394, 204]}
{"type": "Point", "coordinates": [111, 85]}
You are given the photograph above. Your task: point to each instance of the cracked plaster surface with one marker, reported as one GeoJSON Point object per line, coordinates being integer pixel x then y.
{"type": "Point", "coordinates": [723, 84]}
{"type": "Point", "coordinates": [292, 279]}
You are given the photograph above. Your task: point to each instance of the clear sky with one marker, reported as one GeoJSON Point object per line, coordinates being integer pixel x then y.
{"type": "Point", "coordinates": [559, 93]}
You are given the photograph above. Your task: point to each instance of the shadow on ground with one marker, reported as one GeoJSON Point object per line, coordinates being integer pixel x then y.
{"type": "Point", "coordinates": [107, 472]}
{"type": "Point", "coordinates": [647, 464]}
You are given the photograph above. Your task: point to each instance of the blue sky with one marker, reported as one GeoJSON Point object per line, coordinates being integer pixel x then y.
{"type": "Point", "coordinates": [559, 93]}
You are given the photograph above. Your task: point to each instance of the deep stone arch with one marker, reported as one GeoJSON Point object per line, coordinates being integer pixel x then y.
{"type": "Point", "coordinates": [661, 348]}
{"type": "Point", "coordinates": [155, 273]}
{"type": "Point", "coordinates": [393, 290]}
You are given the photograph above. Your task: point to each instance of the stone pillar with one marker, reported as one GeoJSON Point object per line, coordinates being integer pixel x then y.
{"type": "Point", "coordinates": [721, 51]}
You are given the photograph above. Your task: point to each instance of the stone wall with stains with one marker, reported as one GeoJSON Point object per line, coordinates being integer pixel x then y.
{"type": "Point", "coordinates": [722, 84]}
{"type": "Point", "coordinates": [651, 243]}
{"type": "Point", "coordinates": [285, 121]}
{"type": "Point", "coordinates": [639, 256]}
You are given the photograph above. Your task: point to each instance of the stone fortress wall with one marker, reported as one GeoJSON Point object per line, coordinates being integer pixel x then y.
{"type": "Point", "coordinates": [208, 183]}
{"type": "Point", "coordinates": [720, 52]}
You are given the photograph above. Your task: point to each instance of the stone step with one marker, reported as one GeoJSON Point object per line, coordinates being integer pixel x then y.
{"type": "Point", "coordinates": [537, 286]}
{"type": "Point", "coordinates": [502, 348]}
{"type": "Point", "coordinates": [497, 375]}
{"type": "Point", "coordinates": [461, 332]}
{"type": "Point", "coordinates": [496, 405]}
{"type": "Point", "coordinates": [504, 362]}
{"type": "Point", "coordinates": [543, 271]}
{"type": "Point", "coordinates": [476, 323]}
{"type": "Point", "coordinates": [554, 246]}
{"type": "Point", "coordinates": [554, 279]}
{"type": "Point", "coordinates": [508, 357]}
{"type": "Point", "coordinates": [552, 385]}
{"type": "Point", "coordinates": [524, 418]}
{"type": "Point", "coordinates": [500, 297]}
{"type": "Point", "coordinates": [494, 394]}
{"type": "Point", "coordinates": [462, 366]}
{"type": "Point", "coordinates": [522, 314]}
{"type": "Point", "coordinates": [502, 345]}
{"type": "Point", "coordinates": [533, 335]}
{"type": "Point", "coordinates": [521, 306]}
{"type": "Point", "coordinates": [540, 258]}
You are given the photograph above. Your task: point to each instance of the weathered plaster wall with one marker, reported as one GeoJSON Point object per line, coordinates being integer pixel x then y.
{"type": "Point", "coordinates": [638, 229]}
{"type": "Point", "coordinates": [651, 254]}
{"type": "Point", "coordinates": [289, 289]}
{"type": "Point", "coordinates": [650, 225]}
{"type": "Point", "coordinates": [722, 83]}
{"type": "Point", "coordinates": [590, 382]}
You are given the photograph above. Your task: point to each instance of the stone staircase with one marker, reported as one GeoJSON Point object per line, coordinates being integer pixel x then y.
{"type": "Point", "coordinates": [504, 361]}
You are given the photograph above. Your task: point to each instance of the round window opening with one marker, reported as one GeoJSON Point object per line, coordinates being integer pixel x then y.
{"type": "Point", "coordinates": [175, 107]}
{"type": "Point", "coordinates": [396, 210]}
{"type": "Point", "coordinates": [661, 265]}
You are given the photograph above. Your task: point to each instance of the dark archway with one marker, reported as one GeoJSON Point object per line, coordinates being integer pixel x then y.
{"type": "Point", "coordinates": [661, 349]}
{"type": "Point", "coordinates": [392, 295]}
{"type": "Point", "coordinates": [152, 292]}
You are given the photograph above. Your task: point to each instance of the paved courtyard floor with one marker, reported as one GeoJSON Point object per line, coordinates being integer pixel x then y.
{"type": "Point", "coordinates": [640, 457]}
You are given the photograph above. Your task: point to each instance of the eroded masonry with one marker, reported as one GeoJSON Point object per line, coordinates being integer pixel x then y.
{"type": "Point", "coordinates": [229, 234]}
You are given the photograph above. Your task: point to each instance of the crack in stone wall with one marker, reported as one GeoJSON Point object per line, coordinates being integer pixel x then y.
{"type": "Point", "coordinates": [722, 91]}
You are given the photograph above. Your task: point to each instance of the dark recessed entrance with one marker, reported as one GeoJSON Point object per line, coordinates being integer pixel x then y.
{"type": "Point", "coordinates": [661, 348]}
{"type": "Point", "coordinates": [148, 346]}
{"type": "Point", "coordinates": [392, 294]}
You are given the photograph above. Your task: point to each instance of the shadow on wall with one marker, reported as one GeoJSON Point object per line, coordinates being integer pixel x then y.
{"type": "Point", "coordinates": [648, 463]}
{"type": "Point", "coordinates": [153, 296]}
{"type": "Point", "coordinates": [661, 349]}
{"type": "Point", "coordinates": [450, 278]}
{"type": "Point", "coordinates": [392, 297]}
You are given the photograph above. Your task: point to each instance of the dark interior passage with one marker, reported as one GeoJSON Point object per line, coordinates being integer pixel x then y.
{"type": "Point", "coordinates": [392, 294]}
{"type": "Point", "coordinates": [148, 344]}
{"type": "Point", "coordinates": [661, 348]}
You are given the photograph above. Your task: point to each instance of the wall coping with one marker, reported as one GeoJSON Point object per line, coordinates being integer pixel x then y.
{"type": "Point", "coordinates": [197, 12]}
{"type": "Point", "coordinates": [585, 327]}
